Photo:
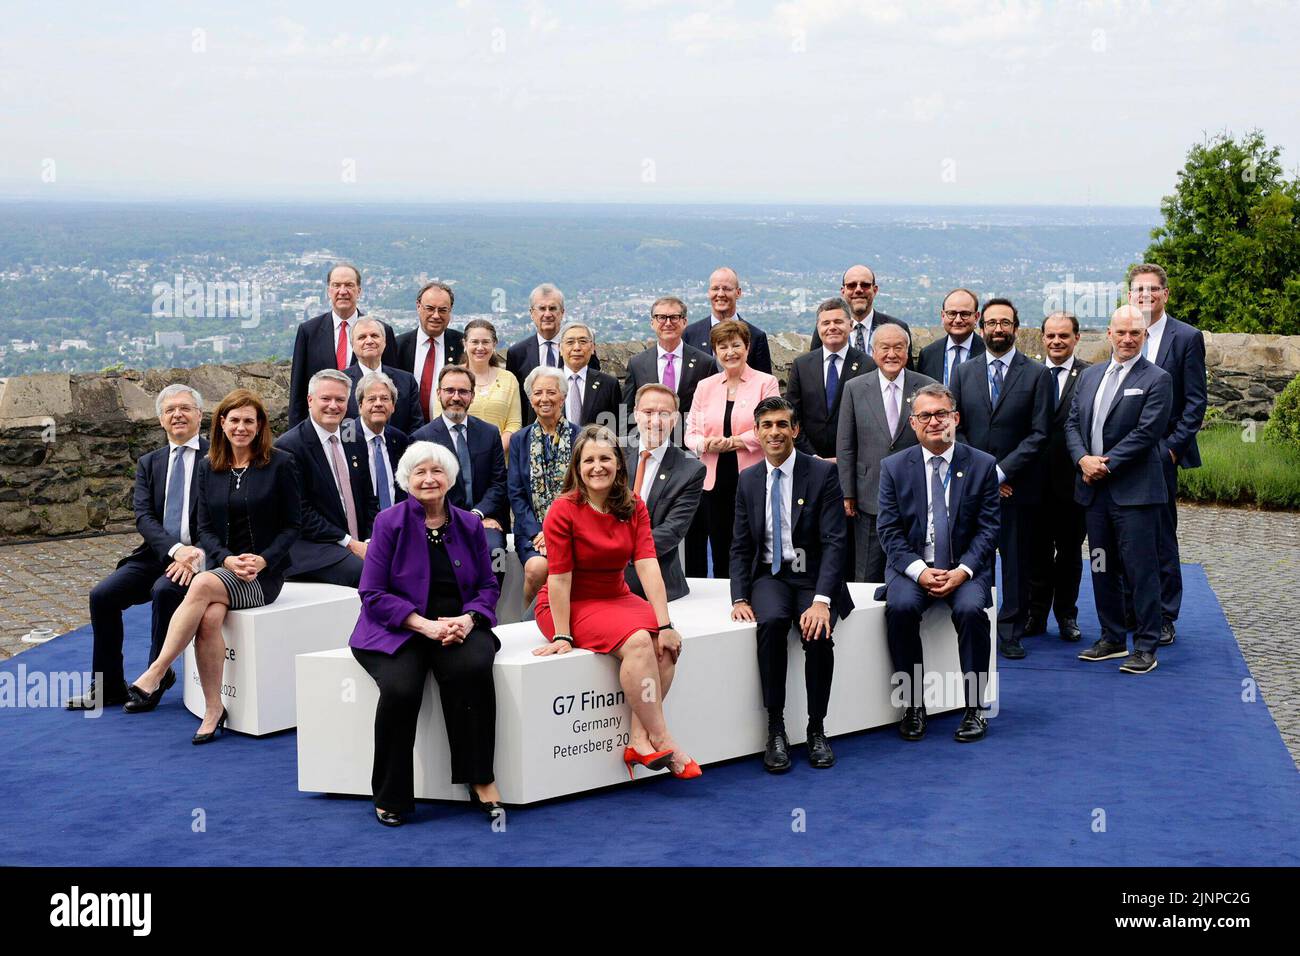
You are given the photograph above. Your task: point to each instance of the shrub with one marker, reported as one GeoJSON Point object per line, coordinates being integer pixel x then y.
{"type": "Point", "coordinates": [1283, 426]}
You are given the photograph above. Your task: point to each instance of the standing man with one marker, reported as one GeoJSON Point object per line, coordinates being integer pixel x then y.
{"type": "Point", "coordinates": [818, 380]}
{"type": "Point", "coordinates": [858, 288]}
{"type": "Point", "coordinates": [960, 309]}
{"type": "Point", "coordinates": [1116, 436]}
{"type": "Point", "coordinates": [166, 501]}
{"type": "Point", "coordinates": [671, 362]}
{"type": "Point", "coordinates": [424, 351]}
{"type": "Point", "coordinates": [325, 341]}
{"type": "Point", "coordinates": [375, 395]}
{"type": "Point", "coordinates": [1179, 349]}
{"type": "Point", "coordinates": [546, 309]}
{"type": "Point", "coordinates": [1005, 403]}
{"type": "Point", "coordinates": [592, 397]}
{"type": "Point", "coordinates": [1057, 563]}
{"type": "Point", "coordinates": [670, 482]}
{"type": "Point", "coordinates": [368, 348]}
{"type": "Point", "coordinates": [874, 424]}
{"type": "Point", "coordinates": [724, 293]}
{"type": "Point", "coordinates": [338, 501]}
{"type": "Point", "coordinates": [788, 566]}
{"type": "Point", "coordinates": [939, 546]}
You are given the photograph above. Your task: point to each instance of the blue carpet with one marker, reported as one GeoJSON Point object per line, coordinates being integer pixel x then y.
{"type": "Point", "coordinates": [1184, 770]}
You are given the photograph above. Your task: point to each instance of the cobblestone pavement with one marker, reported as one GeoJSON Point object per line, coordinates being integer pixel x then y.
{"type": "Point", "coordinates": [1252, 559]}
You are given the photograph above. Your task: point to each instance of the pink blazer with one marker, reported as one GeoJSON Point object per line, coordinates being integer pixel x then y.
{"type": "Point", "coordinates": [705, 419]}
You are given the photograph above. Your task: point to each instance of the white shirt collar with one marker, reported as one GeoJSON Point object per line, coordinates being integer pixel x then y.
{"type": "Point", "coordinates": [370, 436]}
{"type": "Point", "coordinates": [542, 340]}
{"type": "Point", "coordinates": [844, 351]}
{"type": "Point", "coordinates": [656, 455]}
{"type": "Point", "coordinates": [1004, 359]}
{"type": "Point", "coordinates": [1158, 326]}
{"type": "Point", "coordinates": [321, 432]}
{"type": "Point", "coordinates": [192, 443]}
{"type": "Point", "coordinates": [926, 455]}
{"type": "Point", "coordinates": [339, 320]}
{"type": "Point", "coordinates": [885, 382]}
{"type": "Point", "coordinates": [867, 320]}
{"type": "Point", "coordinates": [1067, 364]}
{"type": "Point", "coordinates": [1124, 365]}
{"type": "Point", "coordinates": [451, 426]}
{"type": "Point", "coordinates": [787, 466]}
{"type": "Point", "coordinates": [677, 351]}
{"type": "Point", "coordinates": [581, 373]}
{"type": "Point", "coordinates": [714, 320]}
{"type": "Point", "coordinates": [437, 338]}
{"type": "Point", "coordinates": [964, 343]}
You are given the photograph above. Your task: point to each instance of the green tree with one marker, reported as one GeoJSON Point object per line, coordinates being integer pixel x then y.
{"type": "Point", "coordinates": [1231, 239]}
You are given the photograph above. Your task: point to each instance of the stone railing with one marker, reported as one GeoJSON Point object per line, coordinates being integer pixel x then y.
{"type": "Point", "coordinates": [68, 443]}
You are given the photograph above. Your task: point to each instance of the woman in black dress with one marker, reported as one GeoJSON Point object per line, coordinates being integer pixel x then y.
{"type": "Point", "coordinates": [248, 518]}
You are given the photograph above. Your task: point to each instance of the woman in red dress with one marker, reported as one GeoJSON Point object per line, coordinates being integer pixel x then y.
{"type": "Point", "coordinates": [593, 529]}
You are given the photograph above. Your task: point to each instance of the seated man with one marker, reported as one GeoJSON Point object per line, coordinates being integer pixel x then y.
{"type": "Point", "coordinates": [338, 501]}
{"type": "Point", "coordinates": [368, 347]}
{"type": "Point", "coordinates": [789, 572]}
{"type": "Point", "coordinates": [375, 395]}
{"type": "Point", "coordinates": [939, 545]}
{"type": "Point", "coordinates": [161, 566]}
{"type": "Point", "coordinates": [670, 482]}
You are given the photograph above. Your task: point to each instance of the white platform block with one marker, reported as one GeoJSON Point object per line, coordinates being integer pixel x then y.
{"type": "Point", "coordinates": [562, 721]}
{"type": "Point", "coordinates": [261, 644]}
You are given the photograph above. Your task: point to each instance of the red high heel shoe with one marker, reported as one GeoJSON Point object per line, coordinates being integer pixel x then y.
{"type": "Point", "coordinates": [689, 772]}
{"type": "Point", "coordinates": [654, 761]}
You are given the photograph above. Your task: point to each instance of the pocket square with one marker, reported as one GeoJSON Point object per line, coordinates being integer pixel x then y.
{"type": "Point", "coordinates": [1132, 391]}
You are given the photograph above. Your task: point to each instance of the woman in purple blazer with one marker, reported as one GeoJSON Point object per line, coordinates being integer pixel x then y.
{"type": "Point", "coordinates": [428, 602]}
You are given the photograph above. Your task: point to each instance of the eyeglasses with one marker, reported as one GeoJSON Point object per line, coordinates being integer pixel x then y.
{"type": "Point", "coordinates": [859, 285]}
{"type": "Point", "coordinates": [957, 314]}
{"type": "Point", "coordinates": [999, 323]}
{"type": "Point", "coordinates": [940, 417]}
{"type": "Point", "coordinates": [668, 319]}
{"type": "Point", "coordinates": [457, 391]}
{"type": "Point", "coordinates": [182, 409]}
{"type": "Point", "coordinates": [435, 309]}
{"type": "Point", "coordinates": [576, 341]}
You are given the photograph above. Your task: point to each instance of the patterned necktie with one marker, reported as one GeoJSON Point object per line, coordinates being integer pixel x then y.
{"type": "Point", "coordinates": [858, 340]}
{"type": "Point", "coordinates": [575, 400]}
{"type": "Point", "coordinates": [466, 466]}
{"type": "Point", "coordinates": [640, 471]}
{"type": "Point", "coordinates": [939, 515]}
{"type": "Point", "coordinates": [1107, 396]}
{"type": "Point", "coordinates": [832, 383]}
{"type": "Point", "coordinates": [776, 521]}
{"type": "Point", "coordinates": [345, 486]}
{"type": "Point", "coordinates": [426, 378]}
{"type": "Point", "coordinates": [1056, 377]}
{"type": "Point", "coordinates": [381, 474]}
{"type": "Point", "coordinates": [670, 373]}
{"type": "Point", "coordinates": [341, 349]}
{"type": "Point", "coordinates": [891, 408]}
{"type": "Point", "coordinates": [550, 355]}
{"type": "Point", "coordinates": [175, 501]}
{"type": "Point", "coordinates": [997, 380]}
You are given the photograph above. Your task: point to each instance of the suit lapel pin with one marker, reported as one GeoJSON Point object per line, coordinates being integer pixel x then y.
{"type": "Point", "coordinates": [959, 474]}
{"type": "Point", "coordinates": [1073, 372]}
{"type": "Point", "coordinates": [595, 385]}
{"type": "Point", "coordinates": [662, 477]}
{"type": "Point", "coordinates": [854, 368]}
{"type": "Point", "coordinates": [800, 501]}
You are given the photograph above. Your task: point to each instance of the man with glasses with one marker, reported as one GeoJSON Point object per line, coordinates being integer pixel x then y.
{"type": "Point", "coordinates": [670, 362]}
{"type": "Point", "coordinates": [425, 351]}
{"type": "Point", "coordinates": [376, 396]}
{"type": "Point", "coordinates": [591, 396]}
{"type": "Point", "coordinates": [939, 546]}
{"type": "Point", "coordinates": [1005, 400]}
{"type": "Point", "coordinates": [958, 314]}
{"type": "Point", "coordinates": [858, 288]}
{"type": "Point", "coordinates": [546, 309]}
{"type": "Point", "coordinates": [724, 292]}
{"type": "Point", "coordinates": [325, 341]}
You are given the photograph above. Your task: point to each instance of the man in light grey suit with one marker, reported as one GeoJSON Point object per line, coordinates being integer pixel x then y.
{"type": "Point", "coordinates": [874, 414]}
{"type": "Point", "coordinates": [670, 482]}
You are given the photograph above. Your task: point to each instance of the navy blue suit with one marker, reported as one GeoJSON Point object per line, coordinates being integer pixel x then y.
{"type": "Point", "coordinates": [974, 512]}
{"type": "Point", "coordinates": [760, 355]}
{"type": "Point", "coordinates": [817, 531]}
{"type": "Point", "coordinates": [1123, 508]}
{"type": "Point", "coordinates": [140, 576]}
{"type": "Point", "coordinates": [1182, 355]}
{"type": "Point", "coordinates": [395, 440]}
{"type": "Point", "coordinates": [407, 416]}
{"type": "Point", "coordinates": [1015, 432]}
{"type": "Point", "coordinates": [935, 355]}
{"type": "Point", "coordinates": [527, 523]}
{"type": "Point", "coordinates": [314, 349]}
{"type": "Point", "coordinates": [317, 555]}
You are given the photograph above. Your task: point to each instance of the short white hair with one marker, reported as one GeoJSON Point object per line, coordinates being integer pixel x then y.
{"type": "Point", "coordinates": [361, 320]}
{"type": "Point", "coordinates": [372, 378]}
{"type": "Point", "coordinates": [328, 375]}
{"type": "Point", "coordinates": [545, 290]}
{"type": "Point", "coordinates": [175, 389]}
{"type": "Point", "coordinates": [578, 325]}
{"type": "Point", "coordinates": [419, 452]}
{"type": "Point", "coordinates": [544, 371]}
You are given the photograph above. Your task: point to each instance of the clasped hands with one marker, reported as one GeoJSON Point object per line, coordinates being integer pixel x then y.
{"type": "Point", "coordinates": [939, 583]}
{"type": "Point", "coordinates": [720, 443]}
{"type": "Point", "coordinates": [813, 623]}
{"type": "Point", "coordinates": [246, 567]}
{"type": "Point", "coordinates": [446, 630]}
{"type": "Point", "coordinates": [185, 564]}
{"type": "Point", "coordinates": [1094, 468]}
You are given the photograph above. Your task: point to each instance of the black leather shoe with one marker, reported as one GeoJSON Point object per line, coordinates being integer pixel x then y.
{"type": "Point", "coordinates": [1104, 650]}
{"type": "Point", "coordinates": [1011, 649]}
{"type": "Point", "coordinates": [776, 758]}
{"type": "Point", "coordinates": [388, 818]}
{"type": "Point", "coordinates": [1166, 634]}
{"type": "Point", "coordinates": [139, 702]}
{"type": "Point", "coordinates": [912, 726]}
{"type": "Point", "coordinates": [1035, 626]}
{"type": "Point", "coordinates": [973, 726]}
{"type": "Point", "coordinates": [1070, 630]}
{"type": "Point", "coordinates": [87, 701]}
{"type": "Point", "coordinates": [1138, 663]}
{"type": "Point", "coordinates": [208, 738]}
{"type": "Point", "coordinates": [493, 809]}
{"type": "Point", "coordinates": [820, 755]}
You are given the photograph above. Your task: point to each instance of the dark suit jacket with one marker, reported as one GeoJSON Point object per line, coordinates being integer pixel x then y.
{"type": "Point", "coordinates": [396, 441]}
{"type": "Point", "coordinates": [864, 439]}
{"type": "Point", "coordinates": [324, 522]}
{"type": "Point", "coordinates": [1182, 355]}
{"type": "Point", "coordinates": [877, 320]}
{"type": "Point", "coordinates": [313, 350]}
{"type": "Point", "coordinates": [760, 355]}
{"type": "Point", "coordinates": [521, 358]}
{"type": "Point", "coordinates": [643, 368]}
{"type": "Point", "coordinates": [1061, 468]}
{"type": "Point", "coordinates": [149, 499]}
{"type": "Point", "coordinates": [817, 529]}
{"type": "Point", "coordinates": [406, 342]}
{"type": "Point", "coordinates": [489, 495]}
{"type": "Point", "coordinates": [807, 393]}
{"type": "Point", "coordinates": [407, 416]}
{"type": "Point", "coordinates": [274, 517]}
{"type": "Point", "coordinates": [1015, 432]}
{"type": "Point", "coordinates": [519, 481]}
{"type": "Point", "coordinates": [932, 356]}
{"type": "Point", "coordinates": [1132, 434]}
{"type": "Point", "coordinates": [600, 400]}
{"type": "Point", "coordinates": [974, 511]}
{"type": "Point", "coordinates": [672, 504]}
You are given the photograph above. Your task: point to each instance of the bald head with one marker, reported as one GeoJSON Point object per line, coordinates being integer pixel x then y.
{"type": "Point", "coordinates": [858, 287]}
{"type": "Point", "coordinates": [724, 290]}
{"type": "Point", "coordinates": [1127, 332]}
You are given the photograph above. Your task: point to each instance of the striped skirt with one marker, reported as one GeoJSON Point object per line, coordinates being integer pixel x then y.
{"type": "Point", "coordinates": [243, 594]}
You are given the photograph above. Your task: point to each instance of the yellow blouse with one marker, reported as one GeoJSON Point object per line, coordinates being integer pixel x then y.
{"type": "Point", "coordinates": [499, 405]}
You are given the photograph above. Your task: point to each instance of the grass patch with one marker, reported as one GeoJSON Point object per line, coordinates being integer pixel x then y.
{"type": "Point", "coordinates": [1234, 471]}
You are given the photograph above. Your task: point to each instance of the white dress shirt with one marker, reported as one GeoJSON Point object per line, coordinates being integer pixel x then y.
{"type": "Point", "coordinates": [338, 323]}
{"type": "Point", "coordinates": [1005, 359]}
{"type": "Point", "coordinates": [568, 386]}
{"type": "Point", "coordinates": [652, 466]}
{"type": "Point", "coordinates": [1155, 333]}
{"type": "Point", "coordinates": [1060, 379]}
{"type": "Point", "coordinates": [324, 437]}
{"type": "Point", "coordinates": [541, 349]}
{"type": "Point", "coordinates": [898, 397]}
{"type": "Point", "coordinates": [677, 364]}
{"type": "Point", "coordinates": [369, 438]}
{"type": "Point", "coordinates": [826, 363]}
{"type": "Point", "coordinates": [421, 353]}
{"type": "Point", "coordinates": [1124, 369]}
{"type": "Point", "coordinates": [914, 569]}
{"type": "Point", "coordinates": [188, 460]}
{"type": "Point", "coordinates": [950, 352]}
{"type": "Point", "coordinates": [787, 532]}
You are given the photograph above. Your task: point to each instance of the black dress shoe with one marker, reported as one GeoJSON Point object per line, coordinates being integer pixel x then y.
{"type": "Point", "coordinates": [973, 726]}
{"type": "Point", "coordinates": [820, 755]}
{"type": "Point", "coordinates": [492, 808]}
{"type": "Point", "coordinates": [1166, 634]}
{"type": "Point", "coordinates": [1104, 650]}
{"type": "Point", "coordinates": [1138, 662]}
{"type": "Point", "coordinates": [208, 738]}
{"type": "Point", "coordinates": [1035, 626]}
{"type": "Point", "coordinates": [1011, 649]}
{"type": "Point", "coordinates": [88, 700]}
{"type": "Point", "coordinates": [1070, 630]}
{"type": "Point", "coordinates": [912, 726]}
{"type": "Point", "coordinates": [388, 818]}
{"type": "Point", "coordinates": [776, 758]}
{"type": "Point", "coordinates": [139, 702]}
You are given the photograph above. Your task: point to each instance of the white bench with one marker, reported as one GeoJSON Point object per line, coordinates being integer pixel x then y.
{"type": "Point", "coordinates": [562, 722]}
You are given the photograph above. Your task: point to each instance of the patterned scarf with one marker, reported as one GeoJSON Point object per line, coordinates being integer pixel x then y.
{"type": "Point", "coordinates": [547, 463]}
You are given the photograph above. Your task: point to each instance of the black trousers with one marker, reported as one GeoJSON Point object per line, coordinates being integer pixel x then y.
{"type": "Point", "coordinates": [697, 545]}
{"type": "Point", "coordinates": [719, 507]}
{"type": "Point", "coordinates": [778, 602]}
{"type": "Point", "coordinates": [469, 707]}
{"type": "Point", "coordinates": [906, 601]}
{"type": "Point", "coordinates": [1171, 570]}
{"type": "Point", "coordinates": [1057, 563]}
{"type": "Point", "coordinates": [869, 563]}
{"type": "Point", "coordinates": [1125, 569]}
{"type": "Point", "coordinates": [1015, 544]}
{"type": "Point", "coordinates": [135, 582]}
{"type": "Point", "coordinates": [345, 572]}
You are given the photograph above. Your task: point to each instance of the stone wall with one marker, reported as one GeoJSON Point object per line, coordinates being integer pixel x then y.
{"type": "Point", "coordinates": [68, 443]}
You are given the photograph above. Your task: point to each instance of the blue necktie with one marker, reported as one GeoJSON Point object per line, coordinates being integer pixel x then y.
{"type": "Point", "coordinates": [997, 380]}
{"type": "Point", "coordinates": [174, 504]}
{"type": "Point", "coordinates": [776, 521]}
{"type": "Point", "coordinates": [939, 508]}
{"type": "Point", "coordinates": [1146, 340]}
{"type": "Point", "coordinates": [466, 467]}
{"type": "Point", "coordinates": [1056, 380]}
{"type": "Point", "coordinates": [550, 354]}
{"type": "Point", "coordinates": [832, 383]}
{"type": "Point", "coordinates": [381, 474]}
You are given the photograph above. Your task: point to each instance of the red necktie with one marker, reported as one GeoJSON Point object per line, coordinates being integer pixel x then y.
{"type": "Point", "coordinates": [640, 472]}
{"type": "Point", "coordinates": [341, 350]}
{"type": "Point", "coordinates": [426, 378]}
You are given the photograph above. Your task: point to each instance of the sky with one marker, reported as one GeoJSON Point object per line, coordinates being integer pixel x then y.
{"type": "Point", "coordinates": [647, 101]}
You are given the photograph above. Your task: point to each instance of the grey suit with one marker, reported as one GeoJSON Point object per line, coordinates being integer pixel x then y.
{"type": "Point", "coordinates": [672, 504]}
{"type": "Point", "coordinates": [643, 368]}
{"type": "Point", "coordinates": [862, 441]}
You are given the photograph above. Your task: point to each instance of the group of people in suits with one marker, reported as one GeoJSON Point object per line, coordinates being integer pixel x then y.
{"type": "Point", "coordinates": [408, 459]}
